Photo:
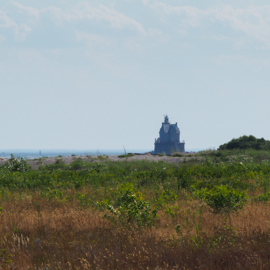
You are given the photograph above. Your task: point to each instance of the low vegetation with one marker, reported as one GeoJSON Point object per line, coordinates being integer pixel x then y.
{"type": "Point", "coordinates": [126, 155]}
{"type": "Point", "coordinates": [246, 142]}
{"type": "Point", "coordinates": [207, 212]}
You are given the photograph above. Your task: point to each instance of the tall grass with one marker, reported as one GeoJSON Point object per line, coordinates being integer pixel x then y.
{"type": "Point", "coordinates": [136, 215]}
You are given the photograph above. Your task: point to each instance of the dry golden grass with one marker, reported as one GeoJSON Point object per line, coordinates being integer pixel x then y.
{"type": "Point", "coordinates": [41, 234]}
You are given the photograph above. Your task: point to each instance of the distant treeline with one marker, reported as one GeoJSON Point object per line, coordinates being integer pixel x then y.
{"type": "Point", "coordinates": [246, 142]}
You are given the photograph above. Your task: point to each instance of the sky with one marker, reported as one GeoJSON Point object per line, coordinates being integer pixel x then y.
{"type": "Point", "coordinates": [101, 74]}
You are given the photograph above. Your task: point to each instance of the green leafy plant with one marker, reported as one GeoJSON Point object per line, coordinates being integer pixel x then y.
{"type": "Point", "coordinates": [165, 197]}
{"type": "Point", "coordinates": [172, 211]}
{"type": "Point", "coordinates": [76, 165]}
{"type": "Point", "coordinates": [16, 165]}
{"type": "Point", "coordinates": [177, 154]}
{"type": "Point", "coordinates": [5, 259]}
{"type": "Point", "coordinates": [264, 198]}
{"type": "Point", "coordinates": [223, 199]}
{"type": "Point", "coordinates": [126, 155]}
{"type": "Point", "coordinates": [246, 142]}
{"type": "Point", "coordinates": [129, 207]}
{"type": "Point", "coordinates": [178, 230]}
{"type": "Point", "coordinates": [101, 157]}
{"type": "Point", "coordinates": [59, 161]}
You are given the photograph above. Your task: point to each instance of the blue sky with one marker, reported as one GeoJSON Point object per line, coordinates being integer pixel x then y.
{"type": "Point", "coordinates": [101, 74]}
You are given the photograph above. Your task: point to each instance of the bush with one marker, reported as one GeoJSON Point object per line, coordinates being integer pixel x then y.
{"type": "Point", "coordinates": [130, 207]}
{"type": "Point", "coordinates": [76, 165]}
{"type": "Point", "coordinates": [246, 142]}
{"type": "Point", "coordinates": [126, 155]}
{"type": "Point", "coordinates": [222, 199]}
{"type": "Point", "coordinates": [264, 198]}
{"type": "Point", "coordinates": [15, 165]}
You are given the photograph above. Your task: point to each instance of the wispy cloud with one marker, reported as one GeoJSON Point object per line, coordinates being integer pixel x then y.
{"type": "Point", "coordinates": [85, 11]}
{"type": "Point", "coordinates": [10, 26]}
{"type": "Point", "coordinates": [254, 21]}
{"type": "Point", "coordinates": [28, 10]}
{"type": "Point", "coordinates": [101, 16]}
{"type": "Point", "coordinates": [6, 22]}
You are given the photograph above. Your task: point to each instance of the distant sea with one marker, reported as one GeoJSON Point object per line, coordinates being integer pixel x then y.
{"type": "Point", "coordinates": [31, 154]}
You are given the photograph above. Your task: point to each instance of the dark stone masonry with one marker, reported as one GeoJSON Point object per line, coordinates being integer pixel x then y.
{"type": "Point", "coordinates": [169, 139]}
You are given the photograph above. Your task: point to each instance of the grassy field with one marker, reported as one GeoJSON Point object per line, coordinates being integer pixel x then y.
{"type": "Point", "coordinates": [208, 212]}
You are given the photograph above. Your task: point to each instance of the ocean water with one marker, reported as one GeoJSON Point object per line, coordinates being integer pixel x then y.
{"type": "Point", "coordinates": [32, 154]}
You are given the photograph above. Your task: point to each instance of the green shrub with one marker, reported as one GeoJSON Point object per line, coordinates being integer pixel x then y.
{"type": "Point", "coordinates": [264, 197]}
{"type": "Point", "coordinates": [76, 165]}
{"type": "Point", "coordinates": [130, 207]}
{"type": "Point", "coordinates": [222, 199]}
{"type": "Point", "coordinates": [246, 142]}
{"type": "Point", "coordinates": [58, 165]}
{"type": "Point", "coordinates": [102, 157]}
{"type": "Point", "coordinates": [126, 155]}
{"type": "Point", "coordinates": [59, 161]}
{"type": "Point", "coordinates": [5, 260]}
{"type": "Point", "coordinates": [177, 154]}
{"type": "Point", "coordinates": [165, 197]}
{"type": "Point", "coordinates": [16, 165]}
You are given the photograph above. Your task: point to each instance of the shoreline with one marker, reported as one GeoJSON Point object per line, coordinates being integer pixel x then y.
{"type": "Point", "coordinates": [35, 163]}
